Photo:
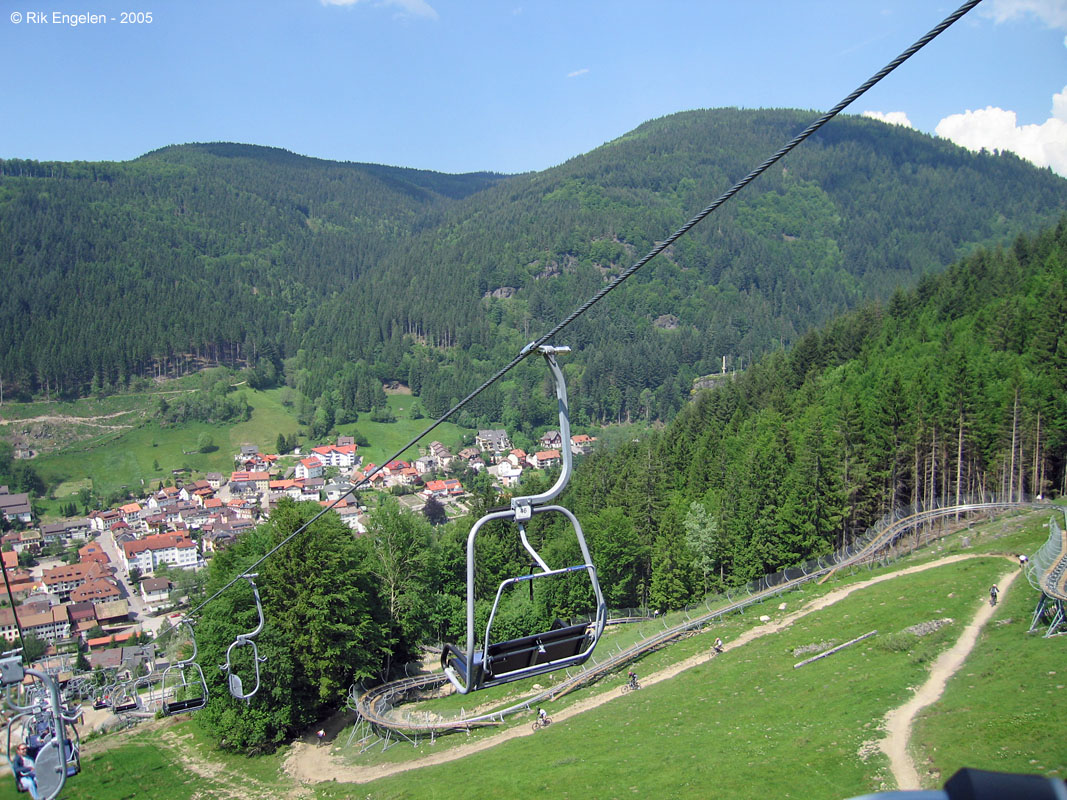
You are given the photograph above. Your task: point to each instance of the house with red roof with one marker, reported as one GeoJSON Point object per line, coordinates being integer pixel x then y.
{"type": "Point", "coordinates": [582, 444]}
{"type": "Point", "coordinates": [332, 455]}
{"type": "Point", "coordinates": [173, 549]}
{"type": "Point", "coordinates": [310, 467]}
{"type": "Point", "coordinates": [99, 590]}
{"type": "Point", "coordinates": [543, 459]}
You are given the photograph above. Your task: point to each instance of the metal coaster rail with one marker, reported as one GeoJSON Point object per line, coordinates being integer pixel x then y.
{"type": "Point", "coordinates": [375, 705]}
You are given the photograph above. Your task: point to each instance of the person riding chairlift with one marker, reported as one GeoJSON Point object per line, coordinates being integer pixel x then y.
{"type": "Point", "coordinates": [25, 771]}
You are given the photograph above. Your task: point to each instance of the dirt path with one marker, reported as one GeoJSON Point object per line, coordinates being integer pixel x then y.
{"type": "Point", "coordinates": [68, 419]}
{"type": "Point", "coordinates": [898, 722]}
{"type": "Point", "coordinates": [308, 763]}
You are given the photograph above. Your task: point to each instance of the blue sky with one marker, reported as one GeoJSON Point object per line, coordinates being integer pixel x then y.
{"type": "Point", "coordinates": [465, 85]}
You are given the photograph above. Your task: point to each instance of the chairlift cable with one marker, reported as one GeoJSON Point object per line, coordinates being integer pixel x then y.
{"type": "Point", "coordinates": [533, 346]}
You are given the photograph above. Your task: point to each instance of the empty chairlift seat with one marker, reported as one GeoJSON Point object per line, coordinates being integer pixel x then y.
{"type": "Point", "coordinates": [564, 645]}
{"type": "Point", "coordinates": [493, 662]}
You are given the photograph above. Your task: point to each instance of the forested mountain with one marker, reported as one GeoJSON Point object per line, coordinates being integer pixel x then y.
{"type": "Point", "coordinates": [955, 389]}
{"type": "Point", "coordinates": [347, 273]}
{"type": "Point", "coordinates": [197, 254]}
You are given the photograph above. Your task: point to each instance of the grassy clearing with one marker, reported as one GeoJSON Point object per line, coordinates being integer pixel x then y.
{"type": "Point", "coordinates": [85, 407]}
{"type": "Point", "coordinates": [121, 460]}
{"type": "Point", "coordinates": [1007, 534]}
{"type": "Point", "coordinates": [148, 453]}
{"type": "Point", "coordinates": [386, 438]}
{"type": "Point", "coordinates": [1004, 710]}
{"type": "Point", "coordinates": [169, 761]}
{"type": "Point", "coordinates": [138, 769]}
{"type": "Point", "coordinates": [743, 722]}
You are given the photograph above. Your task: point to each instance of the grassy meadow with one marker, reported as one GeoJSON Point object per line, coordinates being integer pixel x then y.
{"type": "Point", "coordinates": [741, 725]}
{"type": "Point", "coordinates": [145, 453]}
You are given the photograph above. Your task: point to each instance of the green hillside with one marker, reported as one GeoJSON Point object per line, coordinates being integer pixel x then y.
{"type": "Point", "coordinates": [737, 725]}
{"type": "Point", "coordinates": [242, 255]}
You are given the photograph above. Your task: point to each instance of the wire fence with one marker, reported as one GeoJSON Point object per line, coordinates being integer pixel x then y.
{"type": "Point", "coordinates": [1048, 566]}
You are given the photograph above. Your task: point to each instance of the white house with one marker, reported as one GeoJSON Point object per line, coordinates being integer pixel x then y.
{"type": "Point", "coordinates": [156, 593]}
{"type": "Point", "coordinates": [310, 467]}
{"type": "Point", "coordinates": [172, 549]}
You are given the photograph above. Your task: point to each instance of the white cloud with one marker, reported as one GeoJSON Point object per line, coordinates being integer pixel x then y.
{"type": "Point", "coordinates": [890, 117]}
{"type": "Point", "coordinates": [408, 8]}
{"type": "Point", "coordinates": [1052, 13]}
{"type": "Point", "coordinates": [577, 72]}
{"type": "Point", "coordinates": [996, 129]}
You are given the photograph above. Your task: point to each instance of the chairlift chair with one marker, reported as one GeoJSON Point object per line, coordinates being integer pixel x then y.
{"type": "Point", "coordinates": [184, 675]}
{"type": "Point", "coordinates": [562, 646]}
{"type": "Point", "coordinates": [123, 697]}
{"type": "Point", "coordinates": [245, 640]}
{"type": "Point", "coordinates": [51, 758]}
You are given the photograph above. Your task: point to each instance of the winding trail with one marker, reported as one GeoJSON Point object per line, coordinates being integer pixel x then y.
{"type": "Point", "coordinates": [308, 763]}
{"type": "Point", "coordinates": [899, 721]}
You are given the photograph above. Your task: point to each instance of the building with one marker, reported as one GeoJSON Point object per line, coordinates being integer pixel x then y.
{"type": "Point", "coordinates": [242, 483]}
{"type": "Point", "coordinates": [64, 579]}
{"type": "Point", "coordinates": [98, 590]}
{"type": "Point", "coordinates": [543, 459]}
{"type": "Point", "coordinates": [493, 441]}
{"type": "Point", "coordinates": [15, 507]}
{"type": "Point", "coordinates": [343, 456]}
{"type": "Point", "coordinates": [310, 467]}
{"type": "Point", "coordinates": [582, 444]}
{"type": "Point", "coordinates": [172, 549]}
{"type": "Point", "coordinates": [156, 594]}
{"type": "Point", "coordinates": [112, 612]}
{"type": "Point", "coordinates": [48, 624]}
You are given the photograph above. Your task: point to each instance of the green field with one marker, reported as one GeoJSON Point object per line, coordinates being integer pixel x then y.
{"type": "Point", "coordinates": [740, 725]}
{"type": "Point", "coordinates": [386, 438]}
{"type": "Point", "coordinates": [135, 459]}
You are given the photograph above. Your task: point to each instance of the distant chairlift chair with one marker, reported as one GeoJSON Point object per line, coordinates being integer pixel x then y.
{"type": "Point", "coordinates": [124, 698]}
{"type": "Point", "coordinates": [183, 677]}
{"type": "Point", "coordinates": [566, 645]}
{"type": "Point", "coordinates": [245, 640]}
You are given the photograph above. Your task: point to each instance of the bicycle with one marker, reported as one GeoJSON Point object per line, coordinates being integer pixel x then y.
{"type": "Point", "coordinates": [631, 685]}
{"type": "Point", "coordinates": [542, 722]}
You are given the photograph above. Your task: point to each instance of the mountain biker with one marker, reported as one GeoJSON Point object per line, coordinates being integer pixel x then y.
{"type": "Point", "coordinates": [542, 716]}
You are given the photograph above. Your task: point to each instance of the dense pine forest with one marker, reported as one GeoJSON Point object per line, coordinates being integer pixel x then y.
{"type": "Point", "coordinates": [337, 277]}
{"type": "Point", "coordinates": [957, 388]}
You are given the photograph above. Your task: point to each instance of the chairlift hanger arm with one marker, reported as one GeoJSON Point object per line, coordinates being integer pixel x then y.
{"type": "Point", "coordinates": [234, 683]}
{"type": "Point", "coordinates": [522, 505]}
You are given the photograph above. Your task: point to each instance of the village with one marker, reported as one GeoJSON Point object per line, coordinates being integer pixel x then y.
{"type": "Point", "coordinates": [101, 610]}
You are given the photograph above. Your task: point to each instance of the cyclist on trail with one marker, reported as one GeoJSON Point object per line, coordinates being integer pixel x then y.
{"type": "Point", "coordinates": [993, 592]}
{"type": "Point", "coordinates": [718, 645]}
{"type": "Point", "coordinates": [542, 715]}
{"type": "Point", "coordinates": [632, 679]}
